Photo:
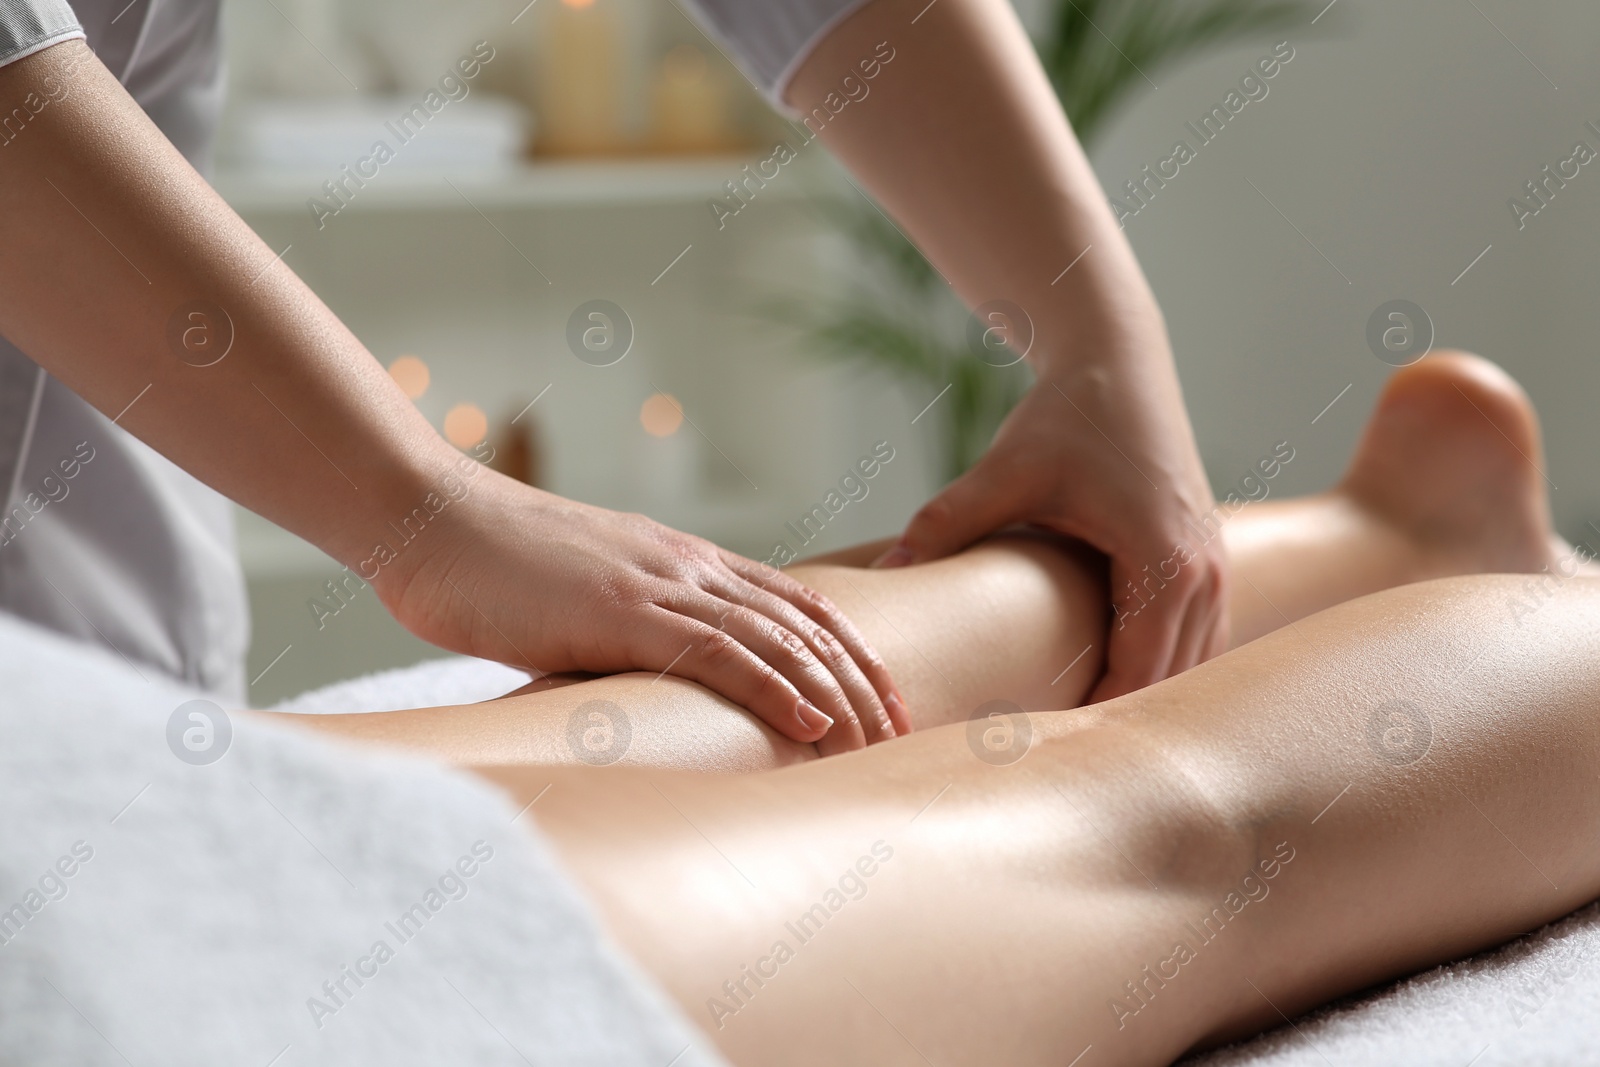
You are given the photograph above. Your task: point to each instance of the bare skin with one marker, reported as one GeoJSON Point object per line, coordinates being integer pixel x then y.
{"type": "Point", "coordinates": [108, 237]}
{"type": "Point", "coordinates": [1396, 781]}
{"type": "Point", "coordinates": [960, 137]}
{"type": "Point", "coordinates": [1019, 900]}
{"type": "Point", "coordinates": [1166, 870]}
{"type": "Point", "coordinates": [1008, 619]}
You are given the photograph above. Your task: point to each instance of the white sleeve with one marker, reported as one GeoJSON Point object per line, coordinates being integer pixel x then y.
{"type": "Point", "coordinates": [29, 25]}
{"type": "Point", "coordinates": [770, 38]}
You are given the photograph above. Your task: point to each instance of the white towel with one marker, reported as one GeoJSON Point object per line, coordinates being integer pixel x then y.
{"type": "Point", "coordinates": [153, 911]}
{"type": "Point", "coordinates": [429, 684]}
{"type": "Point", "coordinates": [1533, 1001]}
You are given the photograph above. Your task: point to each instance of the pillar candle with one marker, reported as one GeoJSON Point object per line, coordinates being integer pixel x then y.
{"type": "Point", "coordinates": [580, 79]}
{"type": "Point", "coordinates": [692, 105]}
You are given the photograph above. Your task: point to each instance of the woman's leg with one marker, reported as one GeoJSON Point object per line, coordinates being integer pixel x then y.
{"type": "Point", "coordinates": [993, 622]}
{"type": "Point", "coordinates": [1397, 781]}
{"type": "Point", "coordinates": [1443, 483]}
{"type": "Point", "coordinates": [1447, 479]}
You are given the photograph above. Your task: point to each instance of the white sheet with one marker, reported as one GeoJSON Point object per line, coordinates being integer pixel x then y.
{"type": "Point", "coordinates": [1536, 1000]}
{"type": "Point", "coordinates": [206, 905]}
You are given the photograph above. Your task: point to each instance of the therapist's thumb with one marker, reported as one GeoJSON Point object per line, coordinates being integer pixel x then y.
{"type": "Point", "coordinates": [969, 508]}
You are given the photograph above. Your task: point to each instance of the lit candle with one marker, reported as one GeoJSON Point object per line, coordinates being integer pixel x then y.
{"type": "Point", "coordinates": [580, 79]}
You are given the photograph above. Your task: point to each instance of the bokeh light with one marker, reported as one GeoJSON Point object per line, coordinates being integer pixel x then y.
{"type": "Point", "coordinates": [661, 415]}
{"type": "Point", "coordinates": [411, 375]}
{"type": "Point", "coordinates": [465, 425]}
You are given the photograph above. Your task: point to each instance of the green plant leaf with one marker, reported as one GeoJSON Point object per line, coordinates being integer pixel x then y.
{"type": "Point", "coordinates": [1096, 53]}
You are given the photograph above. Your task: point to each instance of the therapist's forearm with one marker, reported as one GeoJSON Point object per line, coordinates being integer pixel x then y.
{"type": "Point", "coordinates": [963, 142]}
{"type": "Point", "coordinates": [106, 232]}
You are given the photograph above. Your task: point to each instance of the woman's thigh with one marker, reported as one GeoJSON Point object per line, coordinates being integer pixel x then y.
{"type": "Point", "coordinates": [1390, 783]}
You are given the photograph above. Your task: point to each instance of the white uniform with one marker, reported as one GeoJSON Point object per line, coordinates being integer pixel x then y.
{"type": "Point", "coordinates": [770, 38]}
{"type": "Point", "coordinates": [130, 551]}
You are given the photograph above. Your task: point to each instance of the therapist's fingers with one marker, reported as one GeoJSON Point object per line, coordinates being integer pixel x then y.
{"type": "Point", "coordinates": [865, 712]}
{"type": "Point", "coordinates": [1165, 620]}
{"type": "Point", "coordinates": [707, 654]}
{"type": "Point", "coordinates": [835, 639]}
{"type": "Point", "coordinates": [986, 498]}
{"type": "Point", "coordinates": [1206, 630]}
{"type": "Point", "coordinates": [1221, 629]}
{"type": "Point", "coordinates": [1194, 636]}
{"type": "Point", "coordinates": [738, 631]}
{"type": "Point", "coordinates": [1145, 628]}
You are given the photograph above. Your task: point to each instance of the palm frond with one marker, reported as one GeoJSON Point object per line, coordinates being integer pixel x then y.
{"type": "Point", "coordinates": [856, 330]}
{"type": "Point", "coordinates": [1096, 52]}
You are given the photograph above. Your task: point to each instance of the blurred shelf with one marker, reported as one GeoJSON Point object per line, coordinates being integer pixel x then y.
{"type": "Point", "coordinates": [523, 186]}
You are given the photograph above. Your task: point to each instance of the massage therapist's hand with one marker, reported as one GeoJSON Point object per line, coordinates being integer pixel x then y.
{"type": "Point", "coordinates": [954, 128]}
{"type": "Point", "coordinates": [522, 576]}
{"type": "Point", "coordinates": [298, 422]}
{"type": "Point", "coordinates": [1100, 449]}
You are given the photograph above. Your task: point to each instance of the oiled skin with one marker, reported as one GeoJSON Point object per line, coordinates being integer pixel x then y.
{"type": "Point", "coordinates": [1374, 785]}
{"type": "Point", "coordinates": [1001, 621]}
{"type": "Point", "coordinates": [1019, 899]}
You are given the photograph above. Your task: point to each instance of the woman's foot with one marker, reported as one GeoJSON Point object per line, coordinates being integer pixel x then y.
{"type": "Point", "coordinates": [1452, 460]}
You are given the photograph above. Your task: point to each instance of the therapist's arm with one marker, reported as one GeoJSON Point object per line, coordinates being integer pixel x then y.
{"type": "Point", "coordinates": [963, 142]}
{"type": "Point", "coordinates": [106, 233]}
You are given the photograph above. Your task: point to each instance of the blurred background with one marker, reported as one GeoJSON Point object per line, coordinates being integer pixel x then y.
{"type": "Point", "coordinates": [770, 348]}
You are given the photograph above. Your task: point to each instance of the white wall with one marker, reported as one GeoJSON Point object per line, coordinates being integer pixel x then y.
{"type": "Point", "coordinates": [1392, 141]}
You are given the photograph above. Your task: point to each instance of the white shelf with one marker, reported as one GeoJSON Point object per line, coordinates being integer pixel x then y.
{"type": "Point", "coordinates": [528, 185]}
